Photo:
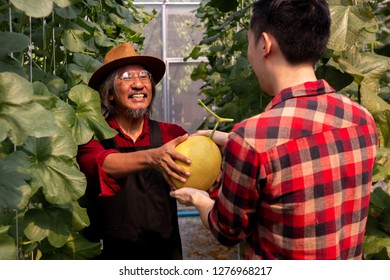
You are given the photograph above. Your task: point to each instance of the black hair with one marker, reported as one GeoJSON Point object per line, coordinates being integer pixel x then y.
{"type": "Point", "coordinates": [301, 28]}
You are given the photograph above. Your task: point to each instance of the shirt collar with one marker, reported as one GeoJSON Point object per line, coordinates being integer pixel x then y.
{"type": "Point", "coordinates": [306, 89]}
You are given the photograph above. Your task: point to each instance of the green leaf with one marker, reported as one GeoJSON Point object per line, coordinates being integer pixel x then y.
{"type": "Point", "coordinates": [82, 68]}
{"type": "Point", "coordinates": [373, 67]}
{"type": "Point", "coordinates": [26, 120]}
{"type": "Point", "coordinates": [234, 109]}
{"type": "Point", "coordinates": [384, 220]}
{"type": "Point", "coordinates": [374, 246]}
{"type": "Point", "coordinates": [247, 90]}
{"type": "Point", "coordinates": [50, 164]}
{"type": "Point", "coordinates": [346, 27]}
{"type": "Point", "coordinates": [12, 42]}
{"type": "Point", "coordinates": [53, 223]}
{"type": "Point", "coordinates": [14, 191]}
{"type": "Point", "coordinates": [382, 120]}
{"type": "Point", "coordinates": [101, 39]}
{"type": "Point", "coordinates": [93, 3]}
{"type": "Point", "coordinates": [80, 217]}
{"type": "Point", "coordinates": [6, 147]}
{"type": "Point", "coordinates": [64, 3]}
{"type": "Point", "coordinates": [381, 172]}
{"type": "Point", "coordinates": [241, 69]}
{"type": "Point", "coordinates": [125, 14]}
{"type": "Point", "coordinates": [211, 39]}
{"type": "Point", "coordinates": [14, 89]}
{"type": "Point", "coordinates": [71, 12]}
{"type": "Point", "coordinates": [39, 8]}
{"type": "Point", "coordinates": [61, 229]}
{"type": "Point", "coordinates": [65, 117]}
{"type": "Point", "coordinates": [43, 96]}
{"type": "Point", "coordinates": [199, 71]}
{"type": "Point", "coordinates": [61, 182]}
{"type": "Point", "coordinates": [373, 228]}
{"type": "Point", "coordinates": [196, 53]}
{"type": "Point", "coordinates": [38, 224]}
{"type": "Point", "coordinates": [380, 199]}
{"type": "Point", "coordinates": [89, 119]}
{"type": "Point", "coordinates": [224, 5]}
{"type": "Point", "coordinates": [241, 41]}
{"type": "Point", "coordinates": [62, 112]}
{"type": "Point", "coordinates": [34, 8]}
{"type": "Point", "coordinates": [19, 114]}
{"type": "Point", "coordinates": [76, 248]}
{"type": "Point", "coordinates": [54, 84]}
{"type": "Point", "coordinates": [73, 40]}
{"type": "Point", "coordinates": [337, 79]}
{"type": "Point", "coordinates": [10, 64]}
{"type": "Point", "coordinates": [345, 66]}
{"type": "Point", "coordinates": [88, 63]}
{"type": "Point", "coordinates": [7, 244]}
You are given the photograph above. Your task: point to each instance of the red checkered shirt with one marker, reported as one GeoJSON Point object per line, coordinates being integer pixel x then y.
{"type": "Point", "coordinates": [297, 178]}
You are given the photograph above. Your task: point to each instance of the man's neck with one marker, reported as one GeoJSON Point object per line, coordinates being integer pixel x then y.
{"type": "Point", "coordinates": [130, 126]}
{"type": "Point", "coordinates": [289, 76]}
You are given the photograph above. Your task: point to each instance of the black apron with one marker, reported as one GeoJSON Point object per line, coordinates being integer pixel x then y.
{"type": "Point", "coordinates": [140, 221]}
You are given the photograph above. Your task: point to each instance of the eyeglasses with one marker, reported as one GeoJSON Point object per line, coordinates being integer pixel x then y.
{"type": "Point", "coordinates": [129, 77]}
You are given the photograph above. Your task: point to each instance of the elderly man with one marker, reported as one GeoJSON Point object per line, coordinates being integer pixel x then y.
{"type": "Point", "coordinates": [128, 176]}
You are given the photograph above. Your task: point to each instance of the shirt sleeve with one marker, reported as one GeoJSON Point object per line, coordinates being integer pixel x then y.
{"type": "Point", "coordinates": [235, 207]}
{"type": "Point", "coordinates": [90, 158]}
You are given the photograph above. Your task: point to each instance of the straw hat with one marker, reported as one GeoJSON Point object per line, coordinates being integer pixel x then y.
{"type": "Point", "coordinates": [122, 55]}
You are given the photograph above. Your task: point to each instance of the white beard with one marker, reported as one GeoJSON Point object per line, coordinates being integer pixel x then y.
{"type": "Point", "coordinates": [136, 114]}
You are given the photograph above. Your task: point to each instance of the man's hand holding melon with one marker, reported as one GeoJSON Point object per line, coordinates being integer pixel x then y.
{"type": "Point", "coordinates": [204, 149]}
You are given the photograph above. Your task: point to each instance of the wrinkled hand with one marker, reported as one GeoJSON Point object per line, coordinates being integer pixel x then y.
{"type": "Point", "coordinates": [190, 196]}
{"type": "Point", "coordinates": [220, 138]}
{"type": "Point", "coordinates": [163, 160]}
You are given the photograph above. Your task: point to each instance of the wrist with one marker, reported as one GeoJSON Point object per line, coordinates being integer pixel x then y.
{"type": "Point", "coordinates": [149, 158]}
{"type": "Point", "coordinates": [200, 199]}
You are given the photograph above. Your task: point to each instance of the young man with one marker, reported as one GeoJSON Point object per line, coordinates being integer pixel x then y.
{"type": "Point", "coordinates": [129, 204]}
{"type": "Point", "coordinates": [297, 177]}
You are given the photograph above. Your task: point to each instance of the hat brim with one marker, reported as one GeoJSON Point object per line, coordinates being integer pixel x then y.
{"type": "Point", "coordinates": [153, 64]}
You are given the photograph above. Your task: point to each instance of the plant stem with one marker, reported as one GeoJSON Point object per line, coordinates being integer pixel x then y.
{"type": "Point", "coordinates": [219, 119]}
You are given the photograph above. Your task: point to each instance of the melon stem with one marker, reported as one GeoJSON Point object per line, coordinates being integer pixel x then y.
{"type": "Point", "coordinates": [219, 119]}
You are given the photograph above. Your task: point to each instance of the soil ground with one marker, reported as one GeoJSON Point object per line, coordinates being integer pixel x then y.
{"type": "Point", "coordinates": [197, 242]}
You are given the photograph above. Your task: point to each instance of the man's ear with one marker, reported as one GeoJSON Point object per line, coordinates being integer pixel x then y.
{"type": "Point", "coordinates": [267, 44]}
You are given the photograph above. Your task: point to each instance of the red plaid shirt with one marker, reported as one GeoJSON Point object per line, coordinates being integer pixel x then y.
{"type": "Point", "coordinates": [297, 178]}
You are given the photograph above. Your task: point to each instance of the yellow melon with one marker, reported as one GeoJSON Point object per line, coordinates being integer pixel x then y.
{"type": "Point", "coordinates": [205, 164]}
